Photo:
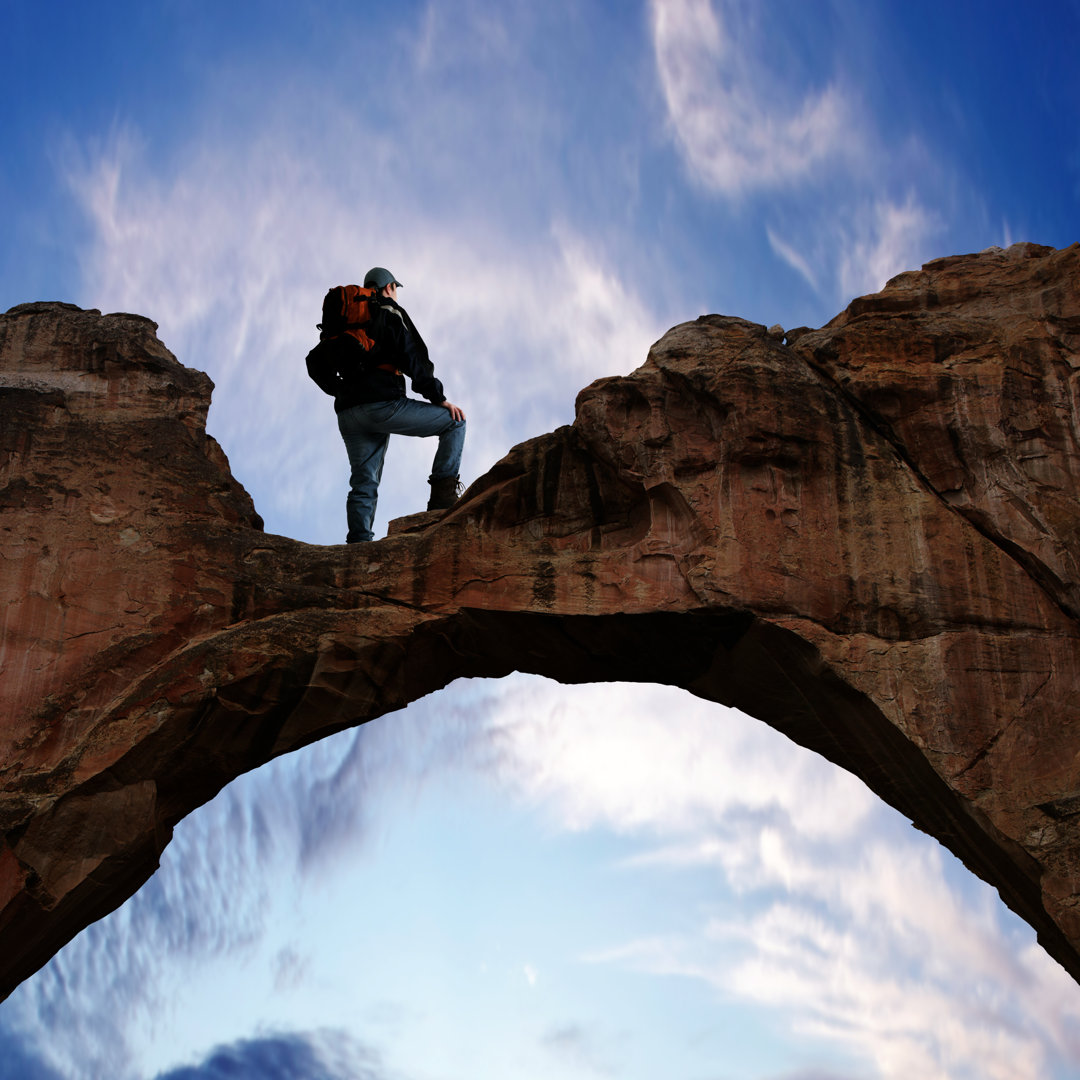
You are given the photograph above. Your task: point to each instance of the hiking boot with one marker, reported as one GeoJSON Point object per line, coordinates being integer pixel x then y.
{"type": "Point", "coordinates": [444, 492]}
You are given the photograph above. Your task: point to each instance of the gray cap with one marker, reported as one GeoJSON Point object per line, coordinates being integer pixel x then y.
{"type": "Point", "coordinates": [378, 277]}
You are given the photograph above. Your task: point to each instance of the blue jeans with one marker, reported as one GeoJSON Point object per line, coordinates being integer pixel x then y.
{"type": "Point", "coordinates": [366, 430]}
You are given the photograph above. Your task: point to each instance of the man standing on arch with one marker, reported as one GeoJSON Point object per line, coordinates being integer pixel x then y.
{"type": "Point", "coordinates": [370, 402]}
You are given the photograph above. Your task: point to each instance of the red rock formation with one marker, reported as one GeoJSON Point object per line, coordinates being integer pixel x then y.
{"type": "Point", "coordinates": [867, 538]}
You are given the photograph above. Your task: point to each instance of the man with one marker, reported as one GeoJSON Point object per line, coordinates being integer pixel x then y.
{"type": "Point", "coordinates": [370, 402]}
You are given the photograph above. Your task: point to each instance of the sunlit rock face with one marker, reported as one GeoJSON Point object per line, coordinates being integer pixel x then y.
{"type": "Point", "coordinates": [867, 537]}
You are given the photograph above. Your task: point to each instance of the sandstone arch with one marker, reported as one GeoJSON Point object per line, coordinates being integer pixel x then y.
{"type": "Point", "coordinates": [866, 537]}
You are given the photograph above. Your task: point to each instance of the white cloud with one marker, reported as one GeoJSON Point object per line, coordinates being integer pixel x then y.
{"type": "Point", "coordinates": [855, 249]}
{"type": "Point", "coordinates": [745, 126]}
{"type": "Point", "coordinates": [863, 933]}
{"type": "Point", "coordinates": [793, 258]}
{"type": "Point", "coordinates": [857, 982]}
{"type": "Point", "coordinates": [196, 920]}
{"type": "Point", "coordinates": [169, 974]}
{"type": "Point", "coordinates": [738, 126]}
{"type": "Point", "coordinates": [882, 240]}
{"type": "Point", "coordinates": [654, 759]}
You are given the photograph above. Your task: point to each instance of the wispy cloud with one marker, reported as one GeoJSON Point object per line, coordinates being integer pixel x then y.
{"type": "Point", "coordinates": [618, 765]}
{"type": "Point", "coordinates": [847, 208]}
{"type": "Point", "coordinates": [883, 239]}
{"type": "Point", "coordinates": [797, 261]}
{"type": "Point", "coordinates": [855, 251]}
{"type": "Point", "coordinates": [235, 871]}
{"type": "Point", "coordinates": [862, 933]}
{"type": "Point", "coordinates": [841, 982]}
{"type": "Point", "coordinates": [739, 122]}
{"type": "Point", "coordinates": [230, 865]}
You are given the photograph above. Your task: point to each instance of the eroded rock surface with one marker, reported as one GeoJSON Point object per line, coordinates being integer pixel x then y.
{"type": "Point", "coordinates": [868, 538]}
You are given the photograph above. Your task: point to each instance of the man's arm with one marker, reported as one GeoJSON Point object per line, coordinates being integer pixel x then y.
{"type": "Point", "coordinates": [412, 356]}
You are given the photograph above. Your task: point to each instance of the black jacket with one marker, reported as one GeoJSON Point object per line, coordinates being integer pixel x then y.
{"type": "Point", "coordinates": [351, 375]}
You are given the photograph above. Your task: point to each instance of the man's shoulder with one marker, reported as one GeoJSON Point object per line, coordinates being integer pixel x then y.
{"type": "Point", "coordinates": [391, 312]}
{"type": "Point", "coordinates": [388, 326]}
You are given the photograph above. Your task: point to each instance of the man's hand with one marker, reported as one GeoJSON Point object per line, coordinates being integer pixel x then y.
{"type": "Point", "coordinates": [455, 412]}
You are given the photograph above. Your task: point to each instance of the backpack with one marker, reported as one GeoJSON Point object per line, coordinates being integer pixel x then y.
{"type": "Point", "coordinates": [347, 309]}
{"type": "Point", "coordinates": [344, 343]}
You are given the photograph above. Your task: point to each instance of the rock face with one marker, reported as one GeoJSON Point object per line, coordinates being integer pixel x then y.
{"type": "Point", "coordinates": [867, 537]}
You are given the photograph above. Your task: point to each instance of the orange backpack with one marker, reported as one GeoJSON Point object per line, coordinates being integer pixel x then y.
{"type": "Point", "coordinates": [347, 309]}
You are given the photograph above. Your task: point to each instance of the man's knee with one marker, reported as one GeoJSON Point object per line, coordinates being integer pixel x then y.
{"type": "Point", "coordinates": [453, 427]}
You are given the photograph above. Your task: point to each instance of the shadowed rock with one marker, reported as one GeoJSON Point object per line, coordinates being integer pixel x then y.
{"type": "Point", "coordinates": [868, 538]}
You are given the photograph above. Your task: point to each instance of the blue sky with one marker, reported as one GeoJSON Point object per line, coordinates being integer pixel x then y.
{"type": "Point", "coordinates": [516, 878]}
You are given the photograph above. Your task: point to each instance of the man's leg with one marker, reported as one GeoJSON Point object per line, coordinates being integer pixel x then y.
{"type": "Point", "coordinates": [405, 416]}
{"type": "Point", "coordinates": [447, 463]}
{"type": "Point", "coordinates": [421, 418]}
{"type": "Point", "coordinates": [367, 451]}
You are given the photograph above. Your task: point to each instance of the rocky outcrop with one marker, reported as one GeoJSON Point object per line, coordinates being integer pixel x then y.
{"type": "Point", "coordinates": [866, 537]}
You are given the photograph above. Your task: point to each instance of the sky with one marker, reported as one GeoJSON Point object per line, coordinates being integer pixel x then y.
{"type": "Point", "coordinates": [515, 878]}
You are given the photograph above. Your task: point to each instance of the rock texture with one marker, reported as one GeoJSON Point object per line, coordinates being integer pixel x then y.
{"type": "Point", "coordinates": [867, 537]}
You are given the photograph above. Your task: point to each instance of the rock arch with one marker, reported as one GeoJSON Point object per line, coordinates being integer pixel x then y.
{"type": "Point", "coordinates": [866, 537]}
